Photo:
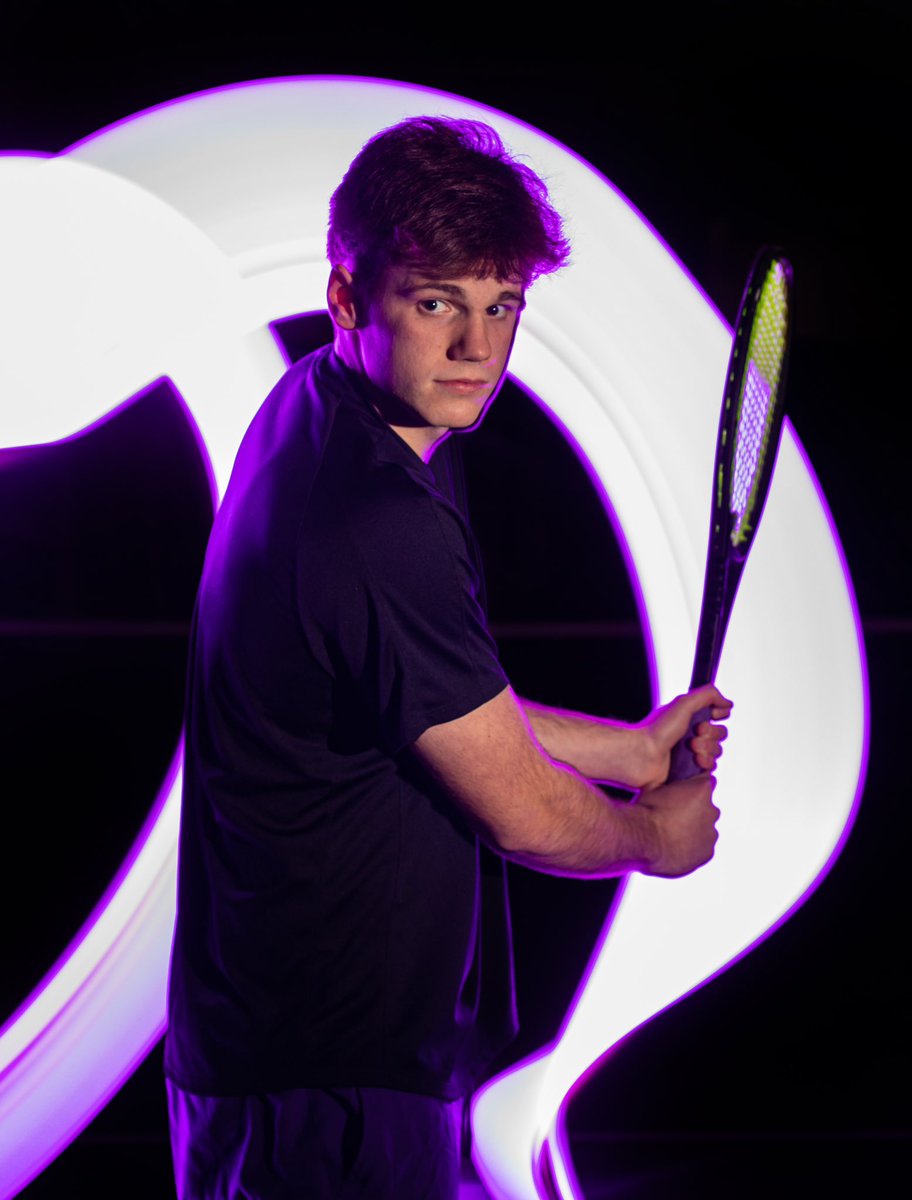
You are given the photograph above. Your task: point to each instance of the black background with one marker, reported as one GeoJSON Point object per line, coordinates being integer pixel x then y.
{"type": "Point", "coordinates": [777, 124]}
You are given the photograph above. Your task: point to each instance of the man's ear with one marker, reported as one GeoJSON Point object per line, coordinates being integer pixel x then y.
{"type": "Point", "coordinates": [340, 297]}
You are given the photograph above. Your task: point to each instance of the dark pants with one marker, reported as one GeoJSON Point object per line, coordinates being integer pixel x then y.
{"type": "Point", "coordinates": [315, 1144]}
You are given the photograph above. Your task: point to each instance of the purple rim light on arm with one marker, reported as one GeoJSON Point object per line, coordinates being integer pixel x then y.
{"type": "Point", "coordinates": [644, 420]}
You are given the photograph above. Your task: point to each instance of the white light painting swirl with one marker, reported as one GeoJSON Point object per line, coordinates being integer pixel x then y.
{"type": "Point", "coordinates": [164, 246]}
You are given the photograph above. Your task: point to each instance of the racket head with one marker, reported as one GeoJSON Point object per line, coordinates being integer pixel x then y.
{"type": "Point", "coordinates": [749, 427]}
{"type": "Point", "coordinates": [752, 407]}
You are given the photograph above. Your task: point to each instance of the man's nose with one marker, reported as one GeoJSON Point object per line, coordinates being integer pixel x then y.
{"type": "Point", "coordinates": [473, 343]}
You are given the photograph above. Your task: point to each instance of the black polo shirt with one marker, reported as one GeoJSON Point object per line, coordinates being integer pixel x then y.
{"type": "Point", "coordinates": [338, 923]}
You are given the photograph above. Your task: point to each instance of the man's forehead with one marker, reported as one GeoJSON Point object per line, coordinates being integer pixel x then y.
{"type": "Point", "coordinates": [404, 279]}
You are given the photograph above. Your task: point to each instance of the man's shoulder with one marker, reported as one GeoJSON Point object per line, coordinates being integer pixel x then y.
{"type": "Point", "coordinates": [309, 387]}
{"type": "Point", "coordinates": [308, 410]}
{"type": "Point", "coordinates": [355, 491]}
{"type": "Point", "coordinates": [368, 480]}
{"type": "Point", "coordinates": [371, 503]}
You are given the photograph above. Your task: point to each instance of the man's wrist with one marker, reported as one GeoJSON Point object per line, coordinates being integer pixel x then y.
{"type": "Point", "coordinates": [646, 756]}
{"type": "Point", "coordinates": [643, 848]}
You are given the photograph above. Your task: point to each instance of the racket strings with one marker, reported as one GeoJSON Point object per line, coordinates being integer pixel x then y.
{"type": "Point", "coordinates": [759, 395]}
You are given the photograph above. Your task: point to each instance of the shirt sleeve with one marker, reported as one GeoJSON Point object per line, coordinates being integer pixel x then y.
{"type": "Point", "coordinates": [402, 614]}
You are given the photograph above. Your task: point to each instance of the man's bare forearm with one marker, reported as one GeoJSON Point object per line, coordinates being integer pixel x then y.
{"type": "Point", "coordinates": [599, 748]}
{"type": "Point", "coordinates": [569, 827]}
{"type": "Point", "coordinates": [536, 810]}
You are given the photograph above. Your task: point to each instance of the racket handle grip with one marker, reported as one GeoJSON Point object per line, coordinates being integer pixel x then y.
{"type": "Point", "coordinates": [683, 763]}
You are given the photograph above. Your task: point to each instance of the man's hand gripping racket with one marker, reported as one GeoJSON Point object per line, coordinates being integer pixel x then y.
{"type": "Point", "coordinates": [749, 428]}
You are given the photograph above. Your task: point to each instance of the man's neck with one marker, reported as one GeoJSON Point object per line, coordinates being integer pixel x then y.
{"type": "Point", "coordinates": [422, 439]}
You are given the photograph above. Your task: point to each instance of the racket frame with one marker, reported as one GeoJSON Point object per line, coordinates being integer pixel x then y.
{"type": "Point", "coordinates": [724, 559]}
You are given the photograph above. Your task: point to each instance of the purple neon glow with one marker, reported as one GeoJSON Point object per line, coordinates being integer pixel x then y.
{"type": "Point", "coordinates": [129, 861]}
{"type": "Point", "coordinates": [633, 578]}
{"type": "Point", "coordinates": [438, 96]}
{"type": "Point", "coordinates": [113, 1085]}
{"type": "Point", "coordinates": [556, 1139]}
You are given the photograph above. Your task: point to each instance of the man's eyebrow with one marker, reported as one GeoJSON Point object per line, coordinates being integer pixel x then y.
{"type": "Point", "coordinates": [438, 285]}
{"type": "Point", "coordinates": [453, 289]}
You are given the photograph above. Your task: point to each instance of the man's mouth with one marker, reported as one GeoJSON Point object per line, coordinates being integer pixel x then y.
{"type": "Point", "coordinates": [464, 385]}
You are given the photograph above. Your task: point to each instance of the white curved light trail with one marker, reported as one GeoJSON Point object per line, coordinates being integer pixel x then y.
{"type": "Point", "coordinates": [165, 246]}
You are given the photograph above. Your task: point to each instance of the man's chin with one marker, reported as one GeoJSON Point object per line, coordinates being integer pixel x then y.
{"type": "Point", "coordinates": [468, 426]}
{"type": "Point", "coordinates": [463, 415]}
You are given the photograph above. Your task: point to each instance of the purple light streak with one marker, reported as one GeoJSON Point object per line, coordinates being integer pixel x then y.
{"type": "Point", "coordinates": [437, 97]}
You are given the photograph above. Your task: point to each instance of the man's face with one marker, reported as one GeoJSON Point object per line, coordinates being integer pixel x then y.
{"type": "Point", "coordinates": [439, 346]}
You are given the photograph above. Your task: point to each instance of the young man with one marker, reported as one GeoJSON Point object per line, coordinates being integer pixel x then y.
{"type": "Point", "coordinates": [357, 767]}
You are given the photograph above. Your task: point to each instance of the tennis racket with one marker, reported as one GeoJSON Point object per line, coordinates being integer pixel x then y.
{"type": "Point", "coordinates": [749, 428]}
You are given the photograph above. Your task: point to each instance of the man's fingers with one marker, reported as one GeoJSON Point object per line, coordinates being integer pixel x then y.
{"type": "Point", "coordinates": [706, 759]}
{"type": "Point", "coordinates": [704, 729]}
{"type": "Point", "coordinates": [710, 696]}
{"type": "Point", "coordinates": [706, 745]}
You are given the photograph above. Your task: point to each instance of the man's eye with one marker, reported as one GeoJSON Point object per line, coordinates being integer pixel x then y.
{"type": "Point", "coordinates": [499, 310]}
{"type": "Point", "coordinates": [433, 306]}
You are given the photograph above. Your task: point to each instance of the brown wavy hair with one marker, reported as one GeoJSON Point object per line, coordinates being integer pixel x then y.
{"type": "Point", "coordinates": [443, 196]}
